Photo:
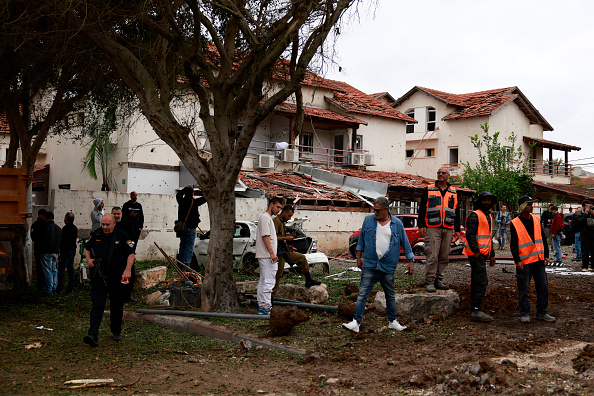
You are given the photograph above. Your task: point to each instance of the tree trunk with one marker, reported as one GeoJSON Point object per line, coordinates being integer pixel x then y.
{"type": "Point", "coordinates": [218, 289]}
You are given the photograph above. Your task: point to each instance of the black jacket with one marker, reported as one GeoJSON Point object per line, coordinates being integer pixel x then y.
{"type": "Point", "coordinates": [101, 244]}
{"type": "Point", "coordinates": [68, 240]}
{"type": "Point", "coordinates": [49, 238]}
{"type": "Point", "coordinates": [184, 199]}
{"type": "Point", "coordinates": [137, 221]}
{"type": "Point", "coordinates": [580, 224]}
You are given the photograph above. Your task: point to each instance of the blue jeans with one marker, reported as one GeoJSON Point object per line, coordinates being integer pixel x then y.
{"type": "Point", "coordinates": [541, 284]}
{"type": "Point", "coordinates": [578, 245]}
{"type": "Point", "coordinates": [186, 246]}
{"type": "Point", "coordinates": [502, 237]}
{"type": "Point", "coordinates": [369, 277]}
{"type": "Point", "coordinates": [49, 262]}
{"type": "Point", "coordinates": [556, 241]}
{"type": "Point", "coordinates": [66, 263]}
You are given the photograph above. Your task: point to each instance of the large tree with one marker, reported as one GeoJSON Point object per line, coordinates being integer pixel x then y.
{"type": "Point", "coordinates": [237, 59]}
{"type": "Point", "coordinates": [502, 169]}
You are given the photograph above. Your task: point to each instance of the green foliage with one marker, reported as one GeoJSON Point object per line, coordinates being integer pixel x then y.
{"type": "Point", "coordinates": [100, 148]}
{"type": "Point", "coordinates": [501, 170]}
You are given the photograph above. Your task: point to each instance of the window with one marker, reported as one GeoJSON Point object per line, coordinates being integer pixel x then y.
{"type": "Point", "coordinates": [431, 114]}
{"type": "Point", "coordinates": [410, 153]}
{"type": "Point", "coordinates": [307, 140]}
{"type": "Point", "coordinates": [453, 156]}
{"type": "Point", "coordinates": [359, 142]}
{"type": "Point", "coordinates": [410, 126]}
{"type": "Point", "coordinates": [429, 152]}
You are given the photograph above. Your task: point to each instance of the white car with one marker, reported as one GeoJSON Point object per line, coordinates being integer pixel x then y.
{"type": "Point", "coordinates": [244, 246]}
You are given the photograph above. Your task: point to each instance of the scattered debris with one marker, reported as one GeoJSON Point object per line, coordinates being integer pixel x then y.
{"type": "Point", "coordinates": [99, 384]}
{"type": "Point", "coordinates": [89, 381]}
{"type": "Point", "coordinates": [245, 345]}
{"type": "Point", "coordinates": [42, 328]}
{"type": "Point", "coordinates": [35, 345]}
{"type": "Point", "coordinates": [283, 319]}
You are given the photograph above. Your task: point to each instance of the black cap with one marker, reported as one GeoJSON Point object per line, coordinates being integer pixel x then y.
{"type": "Point", "coordinates": [526, 198]}
{"type": "Point", "coordinates": [486, 194]}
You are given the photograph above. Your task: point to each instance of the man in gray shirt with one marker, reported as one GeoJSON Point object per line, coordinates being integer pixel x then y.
{"type": "Point", "coordinates": [266, 247]}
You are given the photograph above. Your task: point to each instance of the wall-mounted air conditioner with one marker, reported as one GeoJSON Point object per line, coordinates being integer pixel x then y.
{"type": "Point", "coordinates": [290, 155]}
{"type": "Point", "coordinates": [369, 159]}
{"type": "Point", "coordinates": [356, 159]}
{"type": "Point", "coordinates": [265, 161]}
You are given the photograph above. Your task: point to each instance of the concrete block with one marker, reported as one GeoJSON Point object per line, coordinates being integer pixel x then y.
{"type": "Point", "coordinates": [150, 277]}
{"type": "Point", "coordinates": [248, 286]}
{"type": "Point", "coordinates": [173, 322]}
{"type": "Point", "coordinates": [318, 294]}
{"type": "Point", "coordinates": [205, 329]}
{"type": "Point", "coordinates": [380, 303]}
{"type": "Point", "coordinates": [425, 305]}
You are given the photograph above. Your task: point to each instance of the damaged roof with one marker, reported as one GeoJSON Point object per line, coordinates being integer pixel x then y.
{"type": "Point", "coordinates": [568, 190]}
{"type": "Point", "coordinates": [318, 113]}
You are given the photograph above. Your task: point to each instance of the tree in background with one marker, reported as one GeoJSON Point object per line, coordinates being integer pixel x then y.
{"type": "Point", "coordinates": [230, 61]}
{"type": "Point", "coordinates": [501, 170]}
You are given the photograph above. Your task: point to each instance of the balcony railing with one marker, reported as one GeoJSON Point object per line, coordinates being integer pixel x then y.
{"type": "Point", "coordinates": [545, 167]}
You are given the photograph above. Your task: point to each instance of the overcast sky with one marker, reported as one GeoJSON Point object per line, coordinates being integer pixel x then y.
{"type": "Point", "coordinates": [544, 47]}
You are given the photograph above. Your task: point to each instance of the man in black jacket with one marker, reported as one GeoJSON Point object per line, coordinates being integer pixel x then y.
{"type": "Point", "coordinates": [187, 213]}
{"type": "Point", "coordinates": [126, 224]}
{"type": "Point", "coordinates": [67, 252]}
{"type": "Point", "coordinates": [133, 210]}
{"type": "Point", "coordinates": [49, 239]}
{"type": "Point", "coordinates": [586, 234]}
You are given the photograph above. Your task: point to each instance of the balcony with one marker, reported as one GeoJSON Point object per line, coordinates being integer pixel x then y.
{"type": "Point", "coordinates": [551, 171]}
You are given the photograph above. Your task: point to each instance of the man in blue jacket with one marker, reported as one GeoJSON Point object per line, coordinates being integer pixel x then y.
{"type": "Point", "coordinates": [378, 252]}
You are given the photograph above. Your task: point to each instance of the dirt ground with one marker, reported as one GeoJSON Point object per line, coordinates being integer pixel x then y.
{"type": "Point", "coordinates": [434, 356]}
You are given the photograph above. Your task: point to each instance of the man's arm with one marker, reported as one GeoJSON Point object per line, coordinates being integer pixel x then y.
{"type": "Point", "coordinates": [90, 261]}
{"type": "Point", "coordinates": [268, 244]}
{"type": "Point", "coordinates": [513, 245]}
{"type": "Point", "coordinates": [471, 231]}
{"type": "Point", "coordinates": [128, 271]}
{"type": "Point", "coordinates": [422, 213]}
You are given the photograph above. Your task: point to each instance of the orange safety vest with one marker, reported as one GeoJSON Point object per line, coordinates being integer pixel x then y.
{"type": "Point", "coordinates": [441, 212]}
{"type": "Point", "coordinates": [483, 235]}
{"type": "Point", "coordinates": [529, 251]}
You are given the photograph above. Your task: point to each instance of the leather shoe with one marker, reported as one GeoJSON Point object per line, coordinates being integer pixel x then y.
{"type": "Point", "coordinates": [117, 337]}
{"type": "Point", "coordinates": [439, 285]}
{"type": "Point", "coordinates": [91, 340]}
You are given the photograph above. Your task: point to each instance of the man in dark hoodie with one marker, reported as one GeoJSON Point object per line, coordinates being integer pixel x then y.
{"type": "Point", "coordinates": [67, 252]}
{"type": "Point", "coordinates": [478, 248]}
{"type": "Point", "coordinates": [187, 213]}
{"type": "Point", "coordinates": [50, 238]}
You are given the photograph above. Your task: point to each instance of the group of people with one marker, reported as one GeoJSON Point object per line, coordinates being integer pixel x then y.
{"type": "Point", "coordinates": [273, 250]}
{"type": "Point", "coordinates": [382, 236]}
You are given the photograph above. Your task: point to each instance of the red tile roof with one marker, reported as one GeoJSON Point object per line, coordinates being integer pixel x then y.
{"type": "Point", "coordinates": [4, 124]}
{"type": "Point", "coordinates": [569, 190]}
{"type": "Point", "coordinates": [319, 113]}
{"type": "Point", "coordinates": [482, 103]}
{"type": "Point", "coordinates": [354, 101]}
{"type": "Point", "coordinates": [587, 181]}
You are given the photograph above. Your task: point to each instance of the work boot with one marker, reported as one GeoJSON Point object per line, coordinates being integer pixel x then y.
{"type": "Point", "coordinates": [309, 281]}
{"type": "Point", "coordinates": [431, 288]}
{"type": "Point", "coordinates": [525, 319]}
{"type": "Point", "coordinates": [352, 326]}
{"type": "Point", "coordinates": [394, 325]}
{"type": "Point", "coordinates": [480, 316]}
{"type": "Point", "coordinates": [117, 337]}
{"type": "Point", "coordinates": [439, 285]}
{"type": "Point", "coordinates": [546, 317]}
{"type": "Point", "coordinates": [91, 340]}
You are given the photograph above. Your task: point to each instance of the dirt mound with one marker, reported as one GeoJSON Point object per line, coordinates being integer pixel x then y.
{"type": "Point", "coordinates": [585, 360]}
{"type": "Point", "coordinates": [283, 319]}
{"type": "Point", "coordinates": [351, 288]}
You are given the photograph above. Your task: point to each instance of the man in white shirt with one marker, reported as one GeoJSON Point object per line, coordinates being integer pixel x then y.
{"type": "Point", "coordinates": [266, 247]}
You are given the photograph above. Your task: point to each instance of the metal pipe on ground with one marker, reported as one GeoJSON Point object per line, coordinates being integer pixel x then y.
{"type": "Point", "coordinates": [203, 314]}
{"type": "Point", "coordinates": [299, 304]}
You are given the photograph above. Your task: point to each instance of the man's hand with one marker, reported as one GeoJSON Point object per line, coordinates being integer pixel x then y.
{"type": "Point", "coordinates": [411, 268]}
{"type": "Point", "coordinates": [273, 258]}
{"type": "Point", "coordinates": [422, 231]}
{"type": "Point", "coordinates": [289, 238]}
{"type": "Point", "coordinates": [126, 275]}
{"type": "Point", "coordinates": [457, 235]}
{"type": "Point", "coordinates": [360, 262]}
{"type": "Point", "coordinates": [492, 261]}
{"type": "Point", "coordinates": [520, 266]}
{"type": "Point", "coordinates": [91, 263]}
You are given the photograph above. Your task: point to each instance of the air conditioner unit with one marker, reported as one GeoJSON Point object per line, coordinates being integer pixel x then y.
{"type": "Point", "coordinates": [356, 159]}
{"type": "Point", "coordinates": [265, 161]}
{"type": "Point", "coordinates": [290, 155]}
{"type": "Point", "coordinates": [369, 159]}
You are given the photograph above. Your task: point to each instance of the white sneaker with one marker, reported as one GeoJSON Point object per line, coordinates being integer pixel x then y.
{"type": "Point", "coordinates": [352, 326]}
{"type": "Point", "coordinates": [394, 325]}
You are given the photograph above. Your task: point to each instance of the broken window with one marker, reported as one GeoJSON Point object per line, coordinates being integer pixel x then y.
{"type": "Point", "coordinates": [307, 142]}
{"type": "Point", "coordinates": [410, 126]}
{"type": "Point", "coordinates": [429, 152]}
{"type": "Point", "coordinates": [410, 153]}
{"type": "Point", "coordinates": [359, 142]}
{"type": "Point", "coordinates": [453, 160]}
{"type": "Point", "coordinates": [431, 114]}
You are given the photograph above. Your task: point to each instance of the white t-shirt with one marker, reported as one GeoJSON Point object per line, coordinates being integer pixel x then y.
{"type": "Point", "coordinates": [265, 227]}
{"type": "Point", "coordinates": [383, 234]}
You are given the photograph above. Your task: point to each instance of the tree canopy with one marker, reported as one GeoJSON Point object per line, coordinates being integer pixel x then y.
{"type": "Point", "coordinates": [501, 170]}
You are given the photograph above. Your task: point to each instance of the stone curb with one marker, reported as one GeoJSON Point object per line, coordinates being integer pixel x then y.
{"type": "Point", "coordinates": [190, 325]}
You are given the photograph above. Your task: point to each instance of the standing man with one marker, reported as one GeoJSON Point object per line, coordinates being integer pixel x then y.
{"type": "Point", "coordinates": [127, 225]}
{"type": "Point", "coordinates": [439, 218]}
{"type": "Point", "coordinates": [287, 252]}
{"type": "Point", "coordinates": [556, 228]}
{"type": "Point", "coordinates": [586, 234]}
{"type": "Point", "coordinates": [187, 213]}
{"type": "Point", "coordinates": [478, 248]}
{"type": "Point", "coordinates": [96, 214]}
{"type": "Point", "coordinates": [529, 252]}
{"type": "Point", "coordinates": [546, 218]}
{"type": "Point", "coordinates": [378, 252]}
{"type": "Point", "coordinates": [577, 233]}
{"type": "Point", "coordinates": [110, 255]}
{"type": "Point", "coordinates": [67, 252]}
{"type": "Point", "coordinates": [133, 210]}
{"type": "Point", "coordinates": [50, 248]}
{"type": "Point", "coordinates": [36, 231]}
{"type": "Point", "coordinates": [503, 219]}
{"type": "Point", "coordinates": [266, 248]}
